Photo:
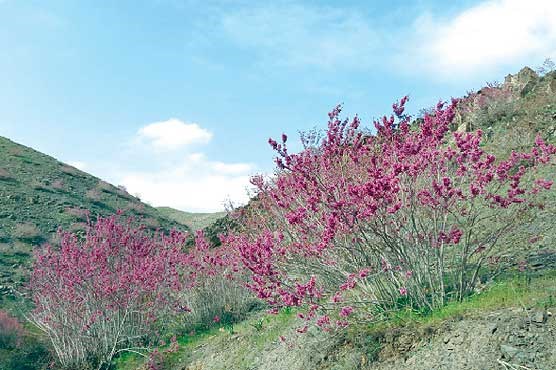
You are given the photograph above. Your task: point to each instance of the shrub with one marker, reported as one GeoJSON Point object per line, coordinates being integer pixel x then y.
{"type": "Point", "coordinates": [58, 185]}
{"type": "Point", "coordinates": [218, 290]}
{"type": "Point", "coordinates": [11, 331]}
{"type": "Point", "coordinates": [103, 294]}
{"type": "Point", "coordinates": [27, 232]}
{"type": "Point", "coordinates": [18, 349]}
{"type": "Point", "coordinates": [548, 66]}
{"type": "Point", "coordinates": [137, 208]}
{"type": "Point", "coordinates": [151, 223]}
{"type": "Point", "coordinates": [5, 175]}
{"type": "Point", "coordinates": [79, 213]}
{"type": "Point", "coordinates": [70, 170]}
{"type": "Point", "coordinates": [93, 194]}
{"type": "Point", "coordinates": [359, 224]}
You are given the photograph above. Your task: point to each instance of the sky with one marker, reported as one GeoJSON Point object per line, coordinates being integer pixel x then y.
{"type": "Point", "coordinates": [176, 99]}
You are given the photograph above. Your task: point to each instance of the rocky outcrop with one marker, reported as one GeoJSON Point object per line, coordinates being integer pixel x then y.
{"type": "Point", "coordinates": [505, 339]}
{"type": "Point", "coordinates": [523, 82]}
{"type": "Point", "coordinates": [551, 82]}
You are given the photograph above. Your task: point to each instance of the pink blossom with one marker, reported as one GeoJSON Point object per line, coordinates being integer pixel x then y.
{"type": "Point", "coordinates": [346, 311]}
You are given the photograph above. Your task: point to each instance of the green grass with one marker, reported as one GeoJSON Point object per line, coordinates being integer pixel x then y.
{"type": "Point", "coordinates": [514, 291]}
{"type": "Point", "coordinates": [132, 361]}
{"type": "Point", "coordinates": [219, 336]}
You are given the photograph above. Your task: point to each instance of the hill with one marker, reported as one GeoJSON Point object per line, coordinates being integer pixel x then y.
{"type": "Point", "coordinates": [39, 194]}
{"type": "Point", "coordinates": [192, 220]}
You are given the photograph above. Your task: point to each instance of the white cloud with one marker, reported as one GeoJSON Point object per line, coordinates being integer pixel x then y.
{"type": "Point", "coordinates": [485, 37]}
{"type": "Point", "coordinates": [195, 184]}
{"type": "Point", "coordinates": [184, 179]}
{"type": "Point", "coordinates": [78, 164]}
{"type": "Point", "coordinates": [173, 134]}
{"type": "Point", "coordinates": [303, 35]}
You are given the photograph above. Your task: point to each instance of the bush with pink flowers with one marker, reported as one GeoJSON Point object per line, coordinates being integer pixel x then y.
{"type": "Point", "coordinates": [358, 224]}
{"type": "Point", "coordinates": [103, 294]}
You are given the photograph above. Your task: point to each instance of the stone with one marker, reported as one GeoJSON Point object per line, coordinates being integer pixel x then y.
{"type": "Point", "coordinates": [458, 340]}
{"type": "Point", "coordinates": [508, 352]}
{"type": "Point", "coordinates": [492, 328]}
{"type": "Point", "coordinates": [523, 82]}
{"type": "Point", "coordinates": [526, 75]}
{"type": "Point", "coordinates": [539, 317]}
{"type": "Point", "coordinates": [552, 87]}
{"type": "Point", "coordinates": [527, 88]}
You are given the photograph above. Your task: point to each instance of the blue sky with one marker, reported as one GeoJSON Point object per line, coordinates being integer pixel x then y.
{"type": "Point", "coordinates": [176, 99]}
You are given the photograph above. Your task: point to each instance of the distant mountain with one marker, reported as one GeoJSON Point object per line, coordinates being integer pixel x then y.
{"type": "Point", "coordinates": [195, 221]}
{"type": "Point", "coordinates": [39, 194]}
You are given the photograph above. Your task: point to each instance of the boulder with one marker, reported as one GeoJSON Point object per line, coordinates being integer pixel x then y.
{"type": "Point", "coordinates": [508, 352]}
{"type": "Point", "coordinates": [523, 82]}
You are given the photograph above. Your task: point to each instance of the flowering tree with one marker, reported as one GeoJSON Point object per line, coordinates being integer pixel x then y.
{"type": "Point", "coordinates": [408, 215]}
{"type": "Point", "coordinates": [102, 294]}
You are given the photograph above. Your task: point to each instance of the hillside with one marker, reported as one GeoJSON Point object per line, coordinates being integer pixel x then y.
{"type": "Point", "coordinates": [194, 221]}
{"type": "Point", "coordinates": [39, 194]}
{"type": "Point", "coordinates": [512, 322]}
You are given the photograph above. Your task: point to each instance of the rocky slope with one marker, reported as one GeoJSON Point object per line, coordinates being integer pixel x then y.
{"type": "Point", "coordinates": [511, 325]}
{"type": "Point", "coordinates": [504, 339]}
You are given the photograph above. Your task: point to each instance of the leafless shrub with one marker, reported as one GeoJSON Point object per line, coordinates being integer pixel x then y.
{"type": "Point", "coordinates": [135, 207]}
{"type": "Point", "coordinates": [79, 213]}
{"type": "Point", "coordinates": [93, 194]}
{"type": "Point", "coordinates": [69, 170]}
{"type": "Point", "coordinates": [26, 231]}
{"type": "Point", "coordinates": [38, 185]}
{"type": "Point", "coordinates": [58, 185]}
{"type": "Point", "coordinates": [151, 223]}
{"type": "Point", "coordinates": [106, 187]}
{"type": "Point", "coordinates": [5, 175]}
{"type": "Point", "coordinates": [219, 297]}
{"type": "Point", "coordinates": [547, 67]}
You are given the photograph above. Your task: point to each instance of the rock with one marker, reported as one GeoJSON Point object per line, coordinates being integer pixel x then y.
{"type": "Point", "coordinates": [527, 88]}
{"type": "Point", "coordinates": [526, 75]}
{"type": "Point", "coordinates": [539, 317]}
{"type": "Point", "coordinates": [552, 87]}
{"type": "Point", "coordinates": [458, 340]}
{"type": "Point", "coordinates": [508, 80]}
{"type": "Point", "coordinates": [508, 352]}
{"type": "Point", "coordinates": [523, 82]}
{"type": "Point", "coordinates": [492, 328]}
